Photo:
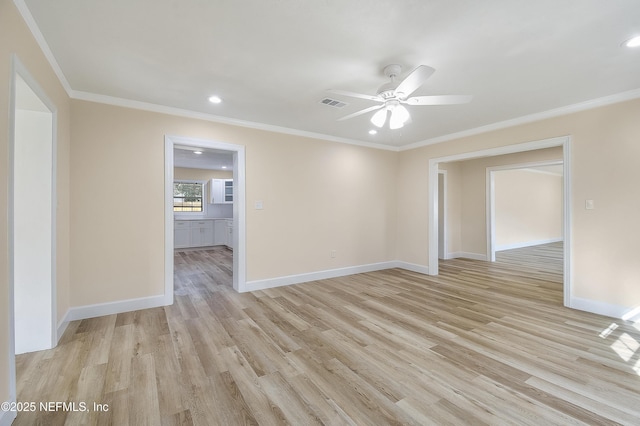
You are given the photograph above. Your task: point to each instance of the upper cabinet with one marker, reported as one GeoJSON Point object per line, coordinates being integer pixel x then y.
{"type": "Point", "coordinates": [221, 191]}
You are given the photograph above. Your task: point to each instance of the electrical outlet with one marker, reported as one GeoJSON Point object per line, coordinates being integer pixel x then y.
{"type": "Point", "coordinates": [332, 253]}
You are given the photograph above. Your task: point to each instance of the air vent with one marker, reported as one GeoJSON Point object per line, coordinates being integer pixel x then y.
{"type": "Point", "coordinates": [333, 103]}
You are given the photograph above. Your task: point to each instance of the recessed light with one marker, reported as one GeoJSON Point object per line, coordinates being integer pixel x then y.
{"type": "Point", "coordinates": [633, 42]}
{"type": "Point", "coordinates": [197, 152]}
{"type": "Point", "coordinates": [215, 99]}
{"type": "Point", "coordinates": [224, 167]}
{"type": "Point", "coordinates": [373, 132]}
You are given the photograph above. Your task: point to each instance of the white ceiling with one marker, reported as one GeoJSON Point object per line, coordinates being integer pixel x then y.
{"type": "Point", "coordinates": [212, 159]}
{"type": "Point", "coordinates": [272, 61]}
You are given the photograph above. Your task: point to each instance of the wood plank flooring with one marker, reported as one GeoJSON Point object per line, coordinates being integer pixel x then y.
{"type": "Point", "coordinates": [479, 344]}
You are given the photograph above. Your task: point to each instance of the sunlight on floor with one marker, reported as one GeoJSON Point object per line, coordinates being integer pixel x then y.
{"type": "Point", "coordinates": [607, 331]}
{"type": "Point", "coordinates": [626, 346]}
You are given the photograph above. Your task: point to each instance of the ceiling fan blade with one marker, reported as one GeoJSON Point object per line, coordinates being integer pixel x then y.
{"type": "Point", "coordinates": [439, 100]}
{"type": "Point", "coordinates": [356, 95]}
{"type": "Point", "coordinates": [414, 80]}
{"type": "Point", "coordinates": [362, 111]}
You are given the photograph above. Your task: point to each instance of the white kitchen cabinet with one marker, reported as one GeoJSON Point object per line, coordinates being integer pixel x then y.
{"type": "Point", "coordinates": [221, 191]}
{"type": "Point", "coordinates": [201, 233]}
{"type": "Point", "coordinates": [220, 232]}
{"type": "Point", "coordinates": [229, 234]}
{"type": "Point", "coordinates": [181, 234]}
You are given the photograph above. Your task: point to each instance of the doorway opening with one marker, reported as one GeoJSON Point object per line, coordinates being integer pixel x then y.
{"type": "Point", "coordinates": [563, 142]}
{"type": "Point", "coordinates": [233, 230]}
{"type": "Point", "coordinates": [32, 218]}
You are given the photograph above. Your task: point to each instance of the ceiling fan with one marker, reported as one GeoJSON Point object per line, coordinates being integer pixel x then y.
{"type": "Point", "coordinates": [393, 95]}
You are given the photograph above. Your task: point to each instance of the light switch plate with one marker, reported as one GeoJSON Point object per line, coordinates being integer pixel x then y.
{"type": "Point", "coordinates": [258, 205]}
{"type": "Point", "coordinates": [589, 205]}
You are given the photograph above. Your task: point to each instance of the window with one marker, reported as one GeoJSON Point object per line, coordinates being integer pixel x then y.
{"type": "Point", "coordinates": [188, 197]}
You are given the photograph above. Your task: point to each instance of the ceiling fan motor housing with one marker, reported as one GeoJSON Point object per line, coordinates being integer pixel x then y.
{"type": "Point", "coordinates": [387, 90]}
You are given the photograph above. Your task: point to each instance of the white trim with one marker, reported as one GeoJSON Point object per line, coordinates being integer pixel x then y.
{"type": "Point", "coordinates": [239, 209]}
{"type": "Point", "coordinates": [421, 269]}
{"type": "Point", "coordinates": [18, 69]}
{"type": "Point", "coordinates": [162, 109]}
{"type": "Point", "coordinates": [490, 198]}
{"type": "Point", "coordinates": [110, 100]}
{"type": "Point", "coordinates": [562, 141]}
{"type": "Point", "coordinates": [7, 417]}
{"type": "Point", "coordinates": [490, 214]}
{"type": "Point", "coordinates": [606, 309]}
{"type": "Point", "coordinates": [62, 326]}
{"type": "Point", "coordinates": [326, 274]}
{"type": "Point", "coordinates": [111, 308]}
{"type": "Point", "coordinates": [444, 244]}
{"type": "Point", "coordinates": [556, 112]}
{"type": "Point", "coordinates": [42, 42]}
{"type": "Point", "coordinates": [466, 255]}
{"type": "Point", "coordinates": [523, 244]}
{"type": "Point", "coordinates": [567, 275]}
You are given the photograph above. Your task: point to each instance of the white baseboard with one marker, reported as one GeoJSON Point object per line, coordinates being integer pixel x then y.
{"type": "Point", "coordinates": [421, 269]}
{"type": "Point", "coordinates": [331, 273]}
{"type": "Point", "coordinates": [110, 308]}
{"type": "Point", "coordinates": [527, 244]}
{"type": "Point", "coordinates": [606, 309]}
{"type": "Point", "coordinates": [467, 255]}
{"type": "Point", "coordinates": [7, 417]}
{"type": "Point", "coordinates": [62, 326]}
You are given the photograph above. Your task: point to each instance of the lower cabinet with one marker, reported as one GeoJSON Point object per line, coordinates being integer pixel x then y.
{"type": "Point", "coordinates": [229, 233]}
{"type": "Point", "coordinates": [202, 233]}
{"type": "Point", "coordinates": [219, 232]}
{"type": "Point", "coordinates": [181, 234]}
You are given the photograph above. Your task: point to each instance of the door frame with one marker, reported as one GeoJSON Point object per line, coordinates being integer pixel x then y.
{"type": "Point", "coordinates": [19, 70]}
{"type": "Point", "coordinates": [443, 220]}
{"type": "Point", "coordinates": [560, 141]}
{"type": "Point", "coordinates": [239, 209]}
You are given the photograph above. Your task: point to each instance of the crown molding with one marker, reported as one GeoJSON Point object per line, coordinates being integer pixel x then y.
{"type": "Point", "coordinates": [39, 37]}
{"type": "Point", "coordinates": [162, 109]}
{"type": "Point", "coordinates": [92, 97]}
{"type": "Point", "coordinates": [556, 112]}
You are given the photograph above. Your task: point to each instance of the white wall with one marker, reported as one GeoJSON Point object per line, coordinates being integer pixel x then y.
{"type": "Point", "coordinates": [33, 231]}
{"type": "Point", "coordinates": [528, 208]}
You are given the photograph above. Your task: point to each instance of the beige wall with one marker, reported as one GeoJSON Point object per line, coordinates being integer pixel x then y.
{"type": "Point", "coordinates": [15, 38]}
{"type": "Point", "coordinates": [318, 196]}
{"type": "Point", "coordinates": [368, 205]}
{"type": "Point", "coordinates": [474, 193]}
{"type": "Point", "coordinates": [200, 174]}
{"type": "Point", "coordinates": [605, 168]}
{"type": "Point", "coordinates": [466, 198]}
{"type": "Point", "coordinates": [528, 207]}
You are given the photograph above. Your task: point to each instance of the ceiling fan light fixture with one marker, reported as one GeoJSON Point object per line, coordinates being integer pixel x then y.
{"type": "Point", "coordinates": [395, 123]}
{"type": "Point", "coordinates": [379, 117]}
{"type": "Point", "coordinates": [633, 42]}
{"type": "Point", "coordinates": [399, 116]}
{"type": "Point", "coordinates": [401, 113]}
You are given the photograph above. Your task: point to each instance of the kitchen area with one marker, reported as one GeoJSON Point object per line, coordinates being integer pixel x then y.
{"type": "Point", "coordinates": [203, 198]}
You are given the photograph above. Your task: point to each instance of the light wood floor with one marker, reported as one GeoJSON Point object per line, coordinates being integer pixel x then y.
{"type": "Point", "coordinates": [479, 344]}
